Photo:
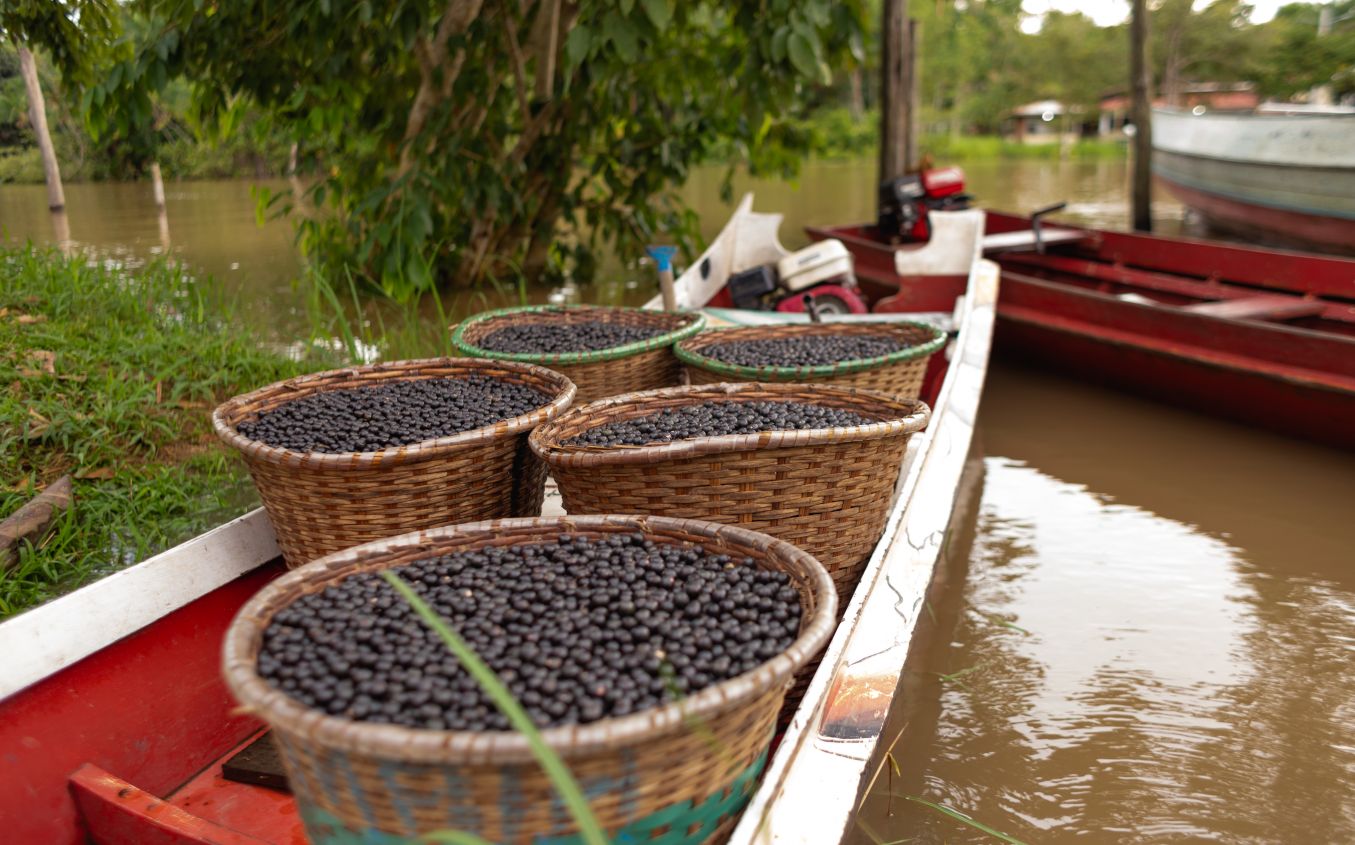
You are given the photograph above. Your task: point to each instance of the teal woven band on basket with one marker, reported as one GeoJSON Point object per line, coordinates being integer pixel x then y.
{"type": "Point", "coordinates": [686, 823]}
{"type": "Point", "coordinates": [742, 372]}
{"type": "Point", "coordinates": [696, 322]}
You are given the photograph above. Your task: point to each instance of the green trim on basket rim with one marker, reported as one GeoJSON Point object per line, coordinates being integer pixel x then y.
{"type": "Point", "coordinates": [592, 357]}
{"type": "Point", "coordinates": [856, 365]}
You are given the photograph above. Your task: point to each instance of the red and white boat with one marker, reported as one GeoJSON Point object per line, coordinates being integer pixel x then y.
{"type": "Point", "coordinates": [115, 723]}
{"type": "Point", "coordinates": [1262, 336]}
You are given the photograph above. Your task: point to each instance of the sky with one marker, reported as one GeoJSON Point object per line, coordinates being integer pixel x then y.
{"type": "Point", "coordinates": [1107, 12]}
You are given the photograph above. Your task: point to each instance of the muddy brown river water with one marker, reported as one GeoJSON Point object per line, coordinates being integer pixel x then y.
{"type": "Point", "coordinates": [1145, 628]}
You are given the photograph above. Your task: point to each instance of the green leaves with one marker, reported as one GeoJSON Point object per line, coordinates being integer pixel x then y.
{"type": "Point", "coordinates": [658, 11]}
{"type": "Point", "coordinates": [429, 170]}
{"type": "Point", "coordinates": [800, 49]}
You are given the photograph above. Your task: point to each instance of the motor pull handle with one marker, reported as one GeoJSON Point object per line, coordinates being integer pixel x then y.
{"type": "Point", "coordinates": [1037, 221]}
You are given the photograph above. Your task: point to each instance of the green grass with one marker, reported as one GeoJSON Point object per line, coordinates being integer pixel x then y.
{"type": "Point", "coordinates": [111, 375]}
{"type": "Point", "coordinates": [835, 133]}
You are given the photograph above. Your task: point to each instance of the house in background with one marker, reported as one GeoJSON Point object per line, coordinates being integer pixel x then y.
{"type": "Point", "coordinates": [1044, 122]}
{"type": "Point", "coordinates": [1206, 96]}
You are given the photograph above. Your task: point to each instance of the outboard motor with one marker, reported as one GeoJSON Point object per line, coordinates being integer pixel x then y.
{"type": "Point", "coordinates": [905, 202]}
{"type": "Point", "coordinates": [820, 279]}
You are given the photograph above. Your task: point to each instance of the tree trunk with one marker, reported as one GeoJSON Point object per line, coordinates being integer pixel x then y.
{"type": "Point", "coordinates": [914, 91]}
{"type": "Point", "coordinates": [37, 115]}
{"type": "Point", "coordinates": [857, 103]}
{"type": "Point", "coordinates": [1141, 86]}
{"type": "Point", "coordinates": [895, 118]}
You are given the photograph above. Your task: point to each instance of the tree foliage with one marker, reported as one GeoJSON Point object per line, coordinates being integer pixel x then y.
{"type": "Point", "coordinates": [1293, 58]}
{"type": "Point", "coordinates": [458, 141]}
{"type": "Point", "coordinates": [72, 32]}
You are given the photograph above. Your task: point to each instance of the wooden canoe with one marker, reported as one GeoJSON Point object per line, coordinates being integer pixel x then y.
{"type": "Point", "coordinates": [115, 723]}
{"type": "Point", "coordinates": [1262, 336]}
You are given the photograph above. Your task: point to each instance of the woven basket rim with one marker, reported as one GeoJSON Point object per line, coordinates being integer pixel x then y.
{"type": "Point", "coordinates": [424, 450]}
{"type": "Point", "coordinates": [423, 746]}
{"type": "Point", "coordinates": [695, 322]}
{"type": "Point", "coordinates": [548, 446]}
{"type": "Point", "coordinates": [743, 372]}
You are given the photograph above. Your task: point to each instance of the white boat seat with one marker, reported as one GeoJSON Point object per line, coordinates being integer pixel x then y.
{"type": "Point", "coordinates": [1024, 241]}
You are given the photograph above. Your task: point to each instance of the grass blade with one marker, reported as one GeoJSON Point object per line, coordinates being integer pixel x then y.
{"type": "Point", "coordinates": [963, 819]}
{"type": "Point", "coordinates": [589, 829]}
{"type": "Point", "coordinates": [454, 837]}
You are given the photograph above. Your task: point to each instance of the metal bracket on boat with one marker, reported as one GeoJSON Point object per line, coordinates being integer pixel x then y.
{"type": "Point", "coordinates": [812, 308]}
{"type": "Point", "coordinates": [1036, 222]}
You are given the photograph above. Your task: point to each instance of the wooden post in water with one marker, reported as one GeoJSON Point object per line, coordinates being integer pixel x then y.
{"type": "Point", "coordinates": [895, 116]}
{"type": "Point", "coordinates": [1141, 88]}
{"type": "Point", "coordinates": [914, 93]}
{"type": "Point", "coordinates": [37, 116]}
{"type": "Point", "coordinates": [158, 185]}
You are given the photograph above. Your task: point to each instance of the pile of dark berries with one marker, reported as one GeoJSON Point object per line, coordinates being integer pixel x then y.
{"type": "Point", "coordinates": [802, 351]}
{"type": "Point", "coordinates": [367, 419]}
{"type": "Point", "coordinates": [578, 629]}
{"type": "Point", "coordinates": [711, 419]}
{"type": "Point", "coordinates": [549, 338]}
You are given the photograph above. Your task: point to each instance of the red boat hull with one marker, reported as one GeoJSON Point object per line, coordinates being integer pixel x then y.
{"type": "Point", "coordinates": [1269, 224]}
{"type": "Point", "coordinates": [1173, 358]}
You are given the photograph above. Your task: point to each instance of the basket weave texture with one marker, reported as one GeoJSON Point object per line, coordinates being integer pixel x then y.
{"type": "Point", "coordinates": [676, 774]}
{"type": "Point", "coordinates": [827, 491]}
{"type": "Point", "coordinates": [899, 373]}
{"type": "Point", "coordinates": [642, 365]}
{"type": "Point", "coordinates": [321, 503]}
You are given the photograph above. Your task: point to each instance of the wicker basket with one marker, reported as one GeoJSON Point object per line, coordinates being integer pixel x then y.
{"type": "Point", "coordinates": [642, 365]}
{"type": "Point", "coordinates": [826, 490]}
{"type": "Point", "coordinates": [321, 503]}
{"type": "Point", "coordinates": [675, 774]}
{"type": "Point", "coordinates": [898, 373]}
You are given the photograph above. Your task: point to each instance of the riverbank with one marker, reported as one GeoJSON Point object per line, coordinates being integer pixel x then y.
{"type": "Point", "coordinates": [110, 376]}
{"type": "Point", "coordinates": [837, 134]}
{"type": "Point", "coordinates": [834, 134]}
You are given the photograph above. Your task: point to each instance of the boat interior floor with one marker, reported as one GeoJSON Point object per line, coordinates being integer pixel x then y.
{"type": "Point", "coordinates": [212, 808]}
{"type": "Point", "coordinates": [1206, 297]}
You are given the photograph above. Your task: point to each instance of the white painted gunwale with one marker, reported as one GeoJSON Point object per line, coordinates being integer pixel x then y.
{"type": "Point", "coordinates": [812, 788]}
{"type": "Point", "coordinates": [43, 641]}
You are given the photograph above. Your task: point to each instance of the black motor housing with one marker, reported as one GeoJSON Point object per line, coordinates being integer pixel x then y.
{"type": "Point", "coordinates": [898, 209]}
{"type": "Point", "coordinates": [749, 288]}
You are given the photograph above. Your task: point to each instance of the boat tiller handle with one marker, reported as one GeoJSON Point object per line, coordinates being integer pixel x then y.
{"type": "Point", "coordinates": [1036, 222]}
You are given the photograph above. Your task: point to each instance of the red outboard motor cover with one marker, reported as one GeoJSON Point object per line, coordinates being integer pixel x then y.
{"type": "Point", "coordinates": [943, 181]}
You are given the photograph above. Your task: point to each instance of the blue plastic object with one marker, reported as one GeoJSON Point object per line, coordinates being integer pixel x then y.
{"type": "Point", "coordinates": [662, 255]}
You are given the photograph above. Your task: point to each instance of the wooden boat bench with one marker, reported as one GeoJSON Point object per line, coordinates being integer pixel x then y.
{"type": "Point", "coordinates": [1263, 307]}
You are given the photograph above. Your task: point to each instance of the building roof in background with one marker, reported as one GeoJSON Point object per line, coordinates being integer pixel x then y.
{"type": "Point", "coordinates": [1039, 108]}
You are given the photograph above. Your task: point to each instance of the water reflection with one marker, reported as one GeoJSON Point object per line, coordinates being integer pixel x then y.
{"type": "Point", "coordinates": [1151, 642]}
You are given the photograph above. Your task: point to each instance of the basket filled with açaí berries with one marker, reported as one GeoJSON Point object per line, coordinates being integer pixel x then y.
{"type": "Point", "coordinates": [810, 464]}
{"type": "Point", "coordinates": [652, 654]}
{"type": "Point", "coordinates": [347, 456]}
{"type": "Point", "coordinates": [890, 357]}
{"type": "Point", "coordinates": [603, 350]}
